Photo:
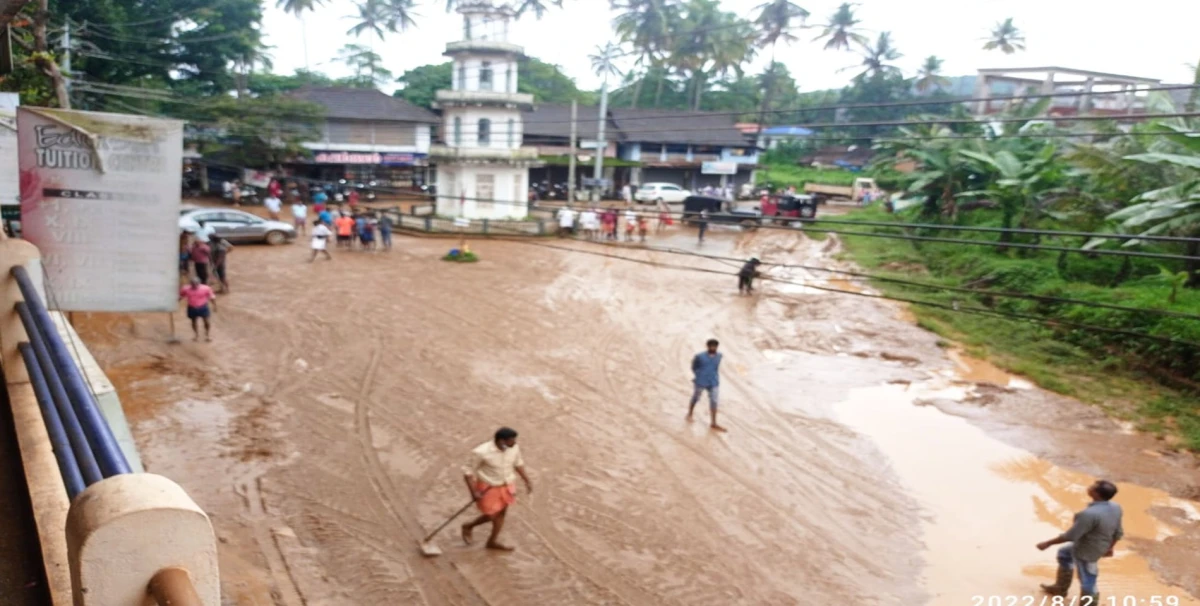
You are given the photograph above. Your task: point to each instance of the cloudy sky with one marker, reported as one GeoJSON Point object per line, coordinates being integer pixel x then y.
{"type": "Point", "coordinates": [1150, 38]}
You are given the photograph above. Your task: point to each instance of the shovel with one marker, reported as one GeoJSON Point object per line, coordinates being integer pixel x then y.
{"type": "Point", "coordinates": [429, 549]}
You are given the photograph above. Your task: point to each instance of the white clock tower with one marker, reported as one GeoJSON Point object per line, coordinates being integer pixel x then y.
{"type": "Point", "coordinates": [482, 169]}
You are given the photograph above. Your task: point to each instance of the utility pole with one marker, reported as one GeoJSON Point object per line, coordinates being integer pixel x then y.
{"type": "Point", "coordinates": [571, 160]}
{"type": "Point", "coordinates": [66, 64]}
{"type": "Point", "coordinates": [601, 144]}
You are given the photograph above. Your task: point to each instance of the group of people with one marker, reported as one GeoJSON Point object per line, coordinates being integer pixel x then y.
{"type": "Point", "coordinates": [359, 229]}
{"type": "Point", "coordinates": [608, 223]}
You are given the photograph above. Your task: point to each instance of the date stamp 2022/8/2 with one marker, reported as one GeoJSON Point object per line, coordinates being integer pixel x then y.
{"type": "Point", "coordinates": [1074, 600]}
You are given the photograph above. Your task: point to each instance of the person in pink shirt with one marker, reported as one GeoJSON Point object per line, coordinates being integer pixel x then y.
{"type": "Point", "coordinates": [198, 297]}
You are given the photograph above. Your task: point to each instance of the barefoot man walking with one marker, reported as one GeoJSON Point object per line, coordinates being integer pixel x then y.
{"type": "Point", "coordinates": [705, 367]}
{"type": "Point", "coordinates": [491, 477]}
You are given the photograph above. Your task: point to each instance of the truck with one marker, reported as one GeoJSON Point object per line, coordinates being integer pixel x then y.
{"type": "Point", "coordinates": [854, 193]}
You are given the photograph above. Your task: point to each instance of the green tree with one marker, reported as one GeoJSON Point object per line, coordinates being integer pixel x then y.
{"type": "Point", "coordinates": [545, 81]}
{"type": "Point", "coordinates": [709, 42]}
{"type": "Point", "coordinates": [1006, 37]}
{"type": "Point", "coordinates": [257, 131]}
{"type": "Point", "coordinates": [775, 21]}
{"type": "Point", "coordinates": [419, 85]}
{"type": "Point", "coordinates": [298, 7]}
{"type": "Point", "coordinates": [930, 75]}
{"type": "Point", "coordinates": [645, 25]}
{"type": "Point", "coordinates": [876, 57]}
{"type": "Point", "coordinates": [265, 84]}
{"type": "Point", "coordinates": [1175, 208]}
{"type": "Point", "coordinates": [367, 65]}
{"type": "Point", "coordinates": [841, 31]}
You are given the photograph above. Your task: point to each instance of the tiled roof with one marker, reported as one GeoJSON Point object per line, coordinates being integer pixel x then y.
{"type": "Point", "coordinates": [364, 104]}
{"type": "Point", "coordinates": [678, 127]}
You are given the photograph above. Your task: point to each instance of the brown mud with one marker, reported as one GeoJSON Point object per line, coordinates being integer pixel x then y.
{"type": "Point", "coordinates": [325, 426]}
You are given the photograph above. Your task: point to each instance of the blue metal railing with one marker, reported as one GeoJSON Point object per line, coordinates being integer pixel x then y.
{"type": "Point", "coordinates": [83, 441]}
{"type": "Point", "coordinates": [63, 449]}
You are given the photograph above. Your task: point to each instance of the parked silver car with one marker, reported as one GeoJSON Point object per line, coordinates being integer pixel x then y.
{"type": "Point", "coordinates": [236, 225]}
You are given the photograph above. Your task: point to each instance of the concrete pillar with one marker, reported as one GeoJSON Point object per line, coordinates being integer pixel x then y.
{"type": "Point", "coordinates": [123, 530]}
{"type": "Point", "coordinates": [1085, 100]}
{"type": "Point", "coordinates": [983, 90]}
{"type": "Point", "coordinates": [1048, 84]}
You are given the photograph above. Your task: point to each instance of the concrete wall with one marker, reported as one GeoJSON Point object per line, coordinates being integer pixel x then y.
{"type": "Point", "coordinates": [470, 126]}
{"type": "Point", "coordinates": [106, 393]}
{"type": "Point", "coordinates": [461, 193]}
{"type": "Point", "coordinates": [505, 73]}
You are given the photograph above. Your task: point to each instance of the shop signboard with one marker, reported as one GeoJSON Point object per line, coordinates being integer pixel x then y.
{"type": "Point", "coordinates": [718, 168]}
{"type": "Point", "coordinates": [369, 158]}
{"type": "Point", "coordinates": [100, 199]}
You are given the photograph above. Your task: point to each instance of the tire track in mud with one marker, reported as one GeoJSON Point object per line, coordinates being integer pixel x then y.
{"type": "Point", "coordinates": [562, 548]}
{"type": "Point", "coordinates": [827, 536]}
{"type": "Point", "coordinates": [762, 497]}
{"type": "Point", "coordinates": [442, 588]}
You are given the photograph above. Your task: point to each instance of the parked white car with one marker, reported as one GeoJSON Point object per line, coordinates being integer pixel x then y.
{"type": "Point", "coordinates": [653, 193]}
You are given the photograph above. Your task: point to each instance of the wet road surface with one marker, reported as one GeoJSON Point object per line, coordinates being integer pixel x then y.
{"type": "Point", "coordinates": [325, 427]}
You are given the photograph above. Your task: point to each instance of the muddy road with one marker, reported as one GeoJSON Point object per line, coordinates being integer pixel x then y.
{"type": "Point", "coordinates": [866, 463]}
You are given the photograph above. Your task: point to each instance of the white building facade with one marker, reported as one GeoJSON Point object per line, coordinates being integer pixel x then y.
{"type": "Point", "coordinates": [482, 168]}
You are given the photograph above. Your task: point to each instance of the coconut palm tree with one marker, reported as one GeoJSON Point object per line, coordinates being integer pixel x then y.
{"type": "Point", "coordinates": [775, 20]}
{"type": "Point", "coordinates": [1006, 37]}
{"type": "Point", "coordinates": [842, 29]}
{"type": "Point", "coordinates": [644, 25]}
{"type": "Point", "coordinates": [372, 17]}
{"type": "Point", "coordinates": [604, 60]}
{"type": "Point", "coordinates": [298, 7]}
{"type": "Point", "coordinates": [875, 57]}
{"type": "Point", "coordinates": [381, 16]}
{"type": "Point", "coordinates": [930, 75]}
{"type": "Point", "coordinates": [367, 65]}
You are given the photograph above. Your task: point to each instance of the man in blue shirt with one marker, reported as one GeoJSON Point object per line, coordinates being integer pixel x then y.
{"type": "Point", "coordinates": [705, 367]}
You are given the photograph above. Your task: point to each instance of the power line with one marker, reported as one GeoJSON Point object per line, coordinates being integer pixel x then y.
{"type": "Point", "coordinates": [1049, 322]}
{"type": "Point", "coordinates": [972, 291]}
{"type": "Point", "coordinates": [994, 244]}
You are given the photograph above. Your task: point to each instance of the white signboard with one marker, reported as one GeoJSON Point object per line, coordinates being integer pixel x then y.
{"type": "Point", "coordinates": [9, 190]}
{"type": "Point", "coordinates": [462, 222]}
{"type": "Point", "coordinates": [100, 199]}
{"type": "Point", "coordinates": [718, 168]}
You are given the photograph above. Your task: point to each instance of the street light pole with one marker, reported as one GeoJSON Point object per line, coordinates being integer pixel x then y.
{"type": "Point", "coordinates": [571, 160]}
{"type": "Point", "coordinates": [601, 144]}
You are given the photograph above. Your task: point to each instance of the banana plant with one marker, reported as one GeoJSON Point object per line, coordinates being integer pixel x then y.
{"type": "Point", "coordinates": [1021, 187]}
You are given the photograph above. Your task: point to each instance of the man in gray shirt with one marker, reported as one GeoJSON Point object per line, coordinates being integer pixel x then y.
{"type": "Point", "coordinates": [1096, 530]}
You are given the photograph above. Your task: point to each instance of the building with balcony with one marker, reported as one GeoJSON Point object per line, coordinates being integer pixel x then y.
{"type": "Point", "coordinates": [482, 168]}
{"type": "Point", "coordinates": [1086, 92]}
{"type": "Point", "coordinates": [690, 149]}
{"type": "Point", "coordinates": [367, 136]}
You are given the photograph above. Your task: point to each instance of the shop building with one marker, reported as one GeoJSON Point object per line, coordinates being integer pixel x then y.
{"type": "Point", "coordinates": [367, 136]}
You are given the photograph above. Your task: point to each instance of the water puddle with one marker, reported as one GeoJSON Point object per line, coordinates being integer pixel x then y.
{"type": "Point", "coordinates": [987, 504]}
{"type": "Point", "coordinates": [981, 371]}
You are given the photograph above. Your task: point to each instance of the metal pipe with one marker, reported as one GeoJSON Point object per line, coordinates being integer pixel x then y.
{"type": "Point", "coordinates": [84, 457]}
{"type": "Point", "coordinates": [108, 453]}
{"type": "Point", "coordinates": [58, 436]}
{"type": "Point", "coordinates": [173, 587]}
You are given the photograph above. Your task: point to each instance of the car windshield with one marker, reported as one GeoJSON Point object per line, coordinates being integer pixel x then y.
{"type": "Point", "coordinates": [647, 187]}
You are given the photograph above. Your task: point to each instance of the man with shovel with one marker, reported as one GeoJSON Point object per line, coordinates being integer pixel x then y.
{"type": "Point", "coordinates": [491, 478]}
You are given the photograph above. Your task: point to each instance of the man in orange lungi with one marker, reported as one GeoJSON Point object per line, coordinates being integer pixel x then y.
{"type": "Point", "coordinates": [491, 477]}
